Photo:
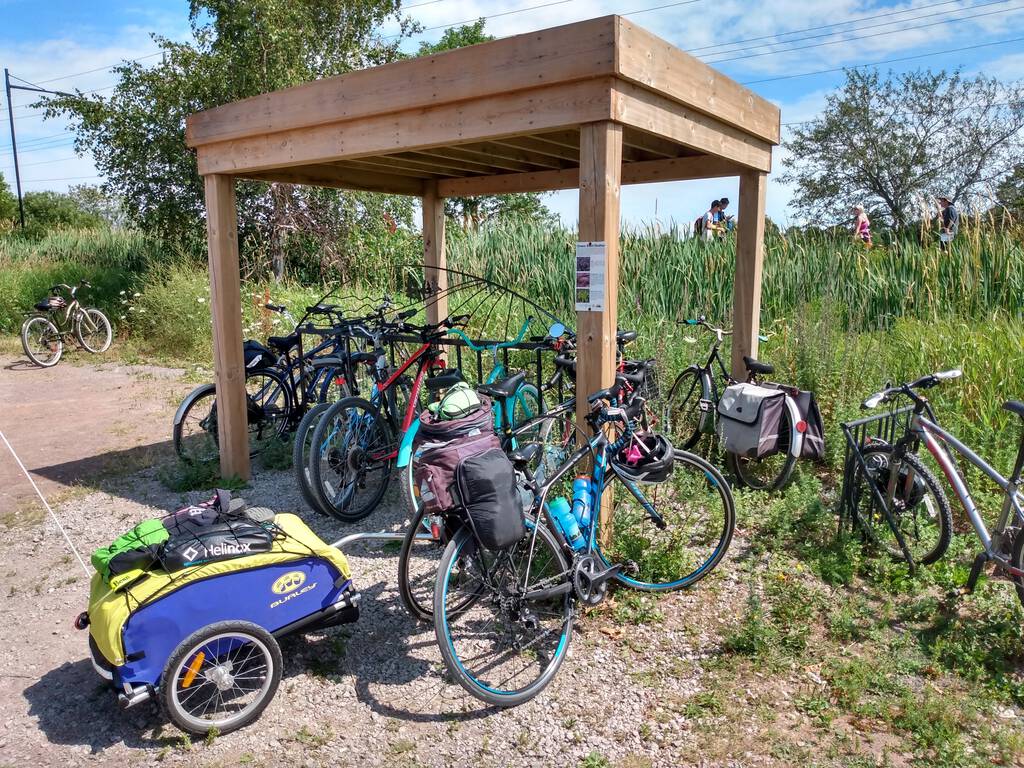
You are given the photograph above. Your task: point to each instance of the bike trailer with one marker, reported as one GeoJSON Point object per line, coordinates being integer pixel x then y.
{"type": "Point", "coordinates": [144, 621]}
{"type": "Point", "coordinates": [749, 417]}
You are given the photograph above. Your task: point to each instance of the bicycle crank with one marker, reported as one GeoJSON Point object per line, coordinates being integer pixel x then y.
{"type": "Point", "coordinates": [589, 581]}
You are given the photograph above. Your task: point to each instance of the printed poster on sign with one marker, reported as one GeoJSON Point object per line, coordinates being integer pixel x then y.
{"type": "Point", "coordinates": [590, 265]}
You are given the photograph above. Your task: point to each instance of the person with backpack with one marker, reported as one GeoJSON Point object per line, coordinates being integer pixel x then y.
{"type": "Point", "coordinates": [707, 225]}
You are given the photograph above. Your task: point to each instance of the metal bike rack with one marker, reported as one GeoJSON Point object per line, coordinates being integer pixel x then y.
{"type": "Point", "coordinates": [355, 538]}
{"type": "Point", "coordinates": [885, 427]}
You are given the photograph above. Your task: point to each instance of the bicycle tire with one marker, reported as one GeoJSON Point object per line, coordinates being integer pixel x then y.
{"type": "Point", "coordinates": [559, 613]}
{"type": "Point", "coordinates": [1016, 560]}
{"type": "Point", "coordinates": [665, 561]}
{"type": "Point", "coordinates": [267, 412]}
{"type": "Point", "coordinates": [102, 323]}
{"type": "Point", "coordinates": [203, 451]}
{"type": "Point", "coordinates": [300, 456]}
{"type": "Point", "coordinates": [683, 417]}
{"type": "Point", "coordinates": [48, 334]}
{"type": "Point", "coordinates": [874, 520]}
{"type": "Point", "coordinates": [326, 457]}
{"type": "Point", "coordinates": [777, 468]}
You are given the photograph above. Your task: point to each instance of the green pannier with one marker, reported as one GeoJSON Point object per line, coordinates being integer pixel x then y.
{"type": "Point", "coordinates": [135, 549]}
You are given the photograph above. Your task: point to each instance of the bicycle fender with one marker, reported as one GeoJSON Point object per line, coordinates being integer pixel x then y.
{"type": "Point", "coordinates": [405, 447]}
{"type": "Point", "coordinates": [796, 438]}
{"type": "Point", "coordinates": [202, 389]}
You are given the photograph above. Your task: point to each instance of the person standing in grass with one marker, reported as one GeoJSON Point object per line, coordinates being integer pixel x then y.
{"type": "Point", "coordinates": [709, 226]}
{"type": "Point", "coordinates": [862, 226]}
{"type": "Point", "coordinates": [949, 221]}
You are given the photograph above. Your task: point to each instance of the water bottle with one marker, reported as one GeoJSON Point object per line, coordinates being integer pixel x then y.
{"type": "Point", "coordinates": [562, 514]}
{"type": "Point", "coordinates": [581, 502]}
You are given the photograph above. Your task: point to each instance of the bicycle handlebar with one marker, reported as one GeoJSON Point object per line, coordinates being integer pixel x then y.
{"type": "Point", "coordinates": [493, 347]}
{"type": "Point", "coordinates": [925, 382]}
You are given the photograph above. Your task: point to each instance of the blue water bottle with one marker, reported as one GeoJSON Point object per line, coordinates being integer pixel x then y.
{"type": "Point", "coordinates": [581, 502]}
{"type": "Point", "coordinates": [562, 514]}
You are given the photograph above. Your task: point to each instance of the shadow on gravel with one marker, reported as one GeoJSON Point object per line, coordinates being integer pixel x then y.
{"type": "Point", "coordinates": [21, 365]}
{"type": "Point", "coordinates": [74, 707]}
{"type": "Point", "coordinates": [109, 471]}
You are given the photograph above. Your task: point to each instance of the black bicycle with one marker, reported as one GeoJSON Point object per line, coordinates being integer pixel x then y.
{"type": "Point", "coordinates": [282, 382]}
{"type": "Point", "coordinates": [691, 413]}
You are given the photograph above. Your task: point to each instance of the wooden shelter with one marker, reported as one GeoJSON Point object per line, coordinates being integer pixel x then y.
{"type": "Point", "coordinates": [592, 105]}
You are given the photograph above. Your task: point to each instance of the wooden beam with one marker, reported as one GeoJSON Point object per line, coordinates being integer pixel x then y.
{"type": "Point", "coordinates": [536, 145]}
{"type": "Point", "coordinates": [654, 145]}
{"type": "Point", "coordinates": [650, 62]}
{"type": "Point", "coordinates": [226, 307]}
{"type": "Point", "coordinates": [339, 177]}
{"type": "Point", "coordinates": [441, 158]}
{"type": "Point", "coordinates": [646, 172]}
{"type": "Point", "coordinates": [484, 160]}
{"type": "Point", "coordinates": [488, 118]}
{"type": "Point", "coordinates": [600, 171]}
{"type": "Point", "coordinates": [390, 164]}
{"type": "Point", "coordinates": [557, 55]}
{"type": "Point", "coordinates": [508, 154]}
{"type": "Point", "coordinates": [659, 115]}
{"type": "Point", "coordinates": [434, 261]}
{"type": "Point", "coordinates": [746, 295]}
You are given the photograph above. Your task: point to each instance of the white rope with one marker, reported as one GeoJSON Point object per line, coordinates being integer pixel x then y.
{"type": "Point", "coordinates": [88, 574]}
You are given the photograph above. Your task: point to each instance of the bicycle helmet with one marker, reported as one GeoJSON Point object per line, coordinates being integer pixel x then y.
{"type": "Point", "coordinates": [646, 458]}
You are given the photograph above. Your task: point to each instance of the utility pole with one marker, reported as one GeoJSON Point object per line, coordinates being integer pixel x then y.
{"type": "Point", "coordinates": [14, 147]}
{"type": "Point", "coordinates": [14, 144]}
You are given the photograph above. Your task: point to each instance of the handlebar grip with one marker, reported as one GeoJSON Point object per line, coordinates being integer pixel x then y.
{"type": "Point", "coordinates": [274, 307]}
{"type": "Point", "coordinates": [451, 322]}
{"type": "Point", "coordinates": [85, 283]}
{"type": "Point", "coordinates": [407, 314]}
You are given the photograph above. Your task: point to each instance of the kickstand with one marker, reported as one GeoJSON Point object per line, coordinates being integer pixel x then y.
{"type": "Point", "coordinates": [973, 576]}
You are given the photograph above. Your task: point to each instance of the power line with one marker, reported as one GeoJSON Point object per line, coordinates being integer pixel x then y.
{"type": "Point", "coordinates": [884, 61]}
{"type": "Point", "coordinates": [65, 178]}
{"type": "Point", "coordinates": [101, 69]}
{"type": "Point", "coordinates": [875, 34]}
{"type": "Point", "coordinates": [854, 20]}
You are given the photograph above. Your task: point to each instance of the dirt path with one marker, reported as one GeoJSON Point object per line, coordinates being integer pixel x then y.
{"type": "Point", "coordinates": [78, 421]}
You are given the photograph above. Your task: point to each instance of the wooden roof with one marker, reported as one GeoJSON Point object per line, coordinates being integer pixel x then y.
{"type": "Point", "coordinates": [502, 116]}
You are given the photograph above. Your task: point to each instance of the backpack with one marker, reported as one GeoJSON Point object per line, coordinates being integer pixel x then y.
{"type": "Point", "coordinates": [698, 226]}
{"type": "Point", "coordinates": [749, 417]}
{"type": "Point", "coordinates": [488, 492]}
{"type": "Point", "coordinates": [435, 468]}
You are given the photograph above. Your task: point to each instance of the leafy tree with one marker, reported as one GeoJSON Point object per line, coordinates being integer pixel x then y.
{"type": "Point", "coordinates": [8, 202]}
{"type": "Point", "coordinates": [239, 48]}
{"type": "Point", "coordinates": [1010, 192]}
{"type": "Point", "coordinates": [890, 142]}
{"type": "Point", "coordinates": [474, 211]}
{"type": "Point", "coordinates": [94, 200]}
{"type": "Point", "coordinates": [54, 210]}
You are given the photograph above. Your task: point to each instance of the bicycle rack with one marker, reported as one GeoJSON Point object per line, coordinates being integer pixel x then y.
{"type": "Point", "coordinates": [881, 428]}
{"type": "Point", "coordinates": [384, 536]}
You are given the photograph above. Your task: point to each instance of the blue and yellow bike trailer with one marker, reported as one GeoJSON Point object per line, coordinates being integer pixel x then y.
{"type": "Point", "coordinates": [202, 640]}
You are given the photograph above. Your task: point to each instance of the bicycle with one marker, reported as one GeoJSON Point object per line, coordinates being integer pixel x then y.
{"type": "Point", "coordinates": [691, 412]}
{"type": "Point", "coordinates": [503, 620]}
{"type": "Point", "coordinates": [897, 501]}
{"type": "Point", "coordinates": [43, 334]}
{"type": "Point", "coordinates": [281, 382]}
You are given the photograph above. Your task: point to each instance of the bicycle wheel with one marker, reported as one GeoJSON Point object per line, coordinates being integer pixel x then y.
{"type": "Point", "coordinates": [919, 507]}
{"type": "Point", "coordinates": [195, 427]}
{"type": "Point", "coordinates": [499, 644]}
{"type": "Point", "coordinates": [683, 418]}
{"type": "Point", "coordinates": [93, 331]}
{"type": "Point", "coordinates": [41, 341]}
{"type": "Point", "coordinates": [769, 473]}
{"type": "Point", "coordinates": [1017, 561]}
{"type": "Point", "coordinates": [223, 676]}
{"type": "Point", "coordinates": [699, 516]}
{"type": "Point", "coordinates": [301, 451]}
{"type": "Point", "coordinates": [351, 459]}
{"type": "Point", "coordinates": [268, 402]}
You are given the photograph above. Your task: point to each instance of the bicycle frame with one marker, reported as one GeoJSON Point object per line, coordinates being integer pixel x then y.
{"type": "Point", "coordinates": [934, 437]}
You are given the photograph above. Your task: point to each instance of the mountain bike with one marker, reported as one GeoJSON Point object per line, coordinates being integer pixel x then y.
{"type": "Point", "coordinates": [282, 381]}
{"type": "Point", "coordinates": [691, 412]}
{"type": "Point", "coordinates": [898, 503]}
{"type": "Point", "coordinates": [43, 335]}
{"type": "Point", "coordinates": [503, 620]}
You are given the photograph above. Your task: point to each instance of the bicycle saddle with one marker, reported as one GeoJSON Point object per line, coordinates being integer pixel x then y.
{"type": "Point", "coordinates": [446, 378]}
{"type": "Point", "coordinates": [283, 343]}
{"type": "Point", "coordinates": [523, 456]}
{"type": "Point", "coordinates": [505, 388]}
{"type": "Point", "coordinates": [756, 366]}
{"type": "Point", "coordinates": [1015, 406]}
{"type": "Point", "coordinates": [624, 337]}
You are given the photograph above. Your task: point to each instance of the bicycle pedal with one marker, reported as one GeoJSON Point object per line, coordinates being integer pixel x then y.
{"type": "Point", "coordinates": [631, 568]}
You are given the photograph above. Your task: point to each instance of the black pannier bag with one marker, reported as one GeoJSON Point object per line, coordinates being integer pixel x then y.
{"type": "Point", "coordinates": [486, 485]}
{"type": "Point", "coordinates": [257, 356]}
{"type": "Point", "coordinates": [749, 417]}
{"type": "Point", "coordinates": [814, 436]}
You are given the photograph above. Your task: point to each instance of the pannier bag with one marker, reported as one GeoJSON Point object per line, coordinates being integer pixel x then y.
{"type": "Point", "coordinates": [749, 417]}
{"type": "Point", "coordinates": [488, 492]}
{"type": "Point", "coordinates": [441, 426]}
{"type": "Point", "coordinates": [434, 471]}
{"type": "Point", "coordinates": [814, 435]}
{"type": "Point", "coordinates": [257, 356]}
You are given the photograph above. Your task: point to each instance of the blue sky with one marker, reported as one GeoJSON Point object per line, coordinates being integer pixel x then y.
{"type": "Point", "coordinates": [749, 41]}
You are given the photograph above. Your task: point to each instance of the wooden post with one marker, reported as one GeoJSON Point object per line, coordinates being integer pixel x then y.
{"type": "Point", "coordinates": [226, 306]}
{"type": "Point", "coordinates": [600, 179]}
{"type": "Point", "coordinates": [433, 251]}
{"type": "Point", "coordinates": [746, 294]}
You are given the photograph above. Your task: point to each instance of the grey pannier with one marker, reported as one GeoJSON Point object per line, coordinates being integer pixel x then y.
{"type": "Point", "coordinates": [749, 417]}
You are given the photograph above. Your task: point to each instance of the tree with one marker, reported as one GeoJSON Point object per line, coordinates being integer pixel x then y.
{"type": "Point", "coordinates": [890, 142]}
{"type": "Point", "coordinates": [1010, 192]}
{"type": "Point", "coordinates": [54, 210]}
{"type": "Point", "coordinates": [474, 211]}
{"type": "Point", "coordinates": [239, 48]}
{"type": "Point", "coordinates": [94, 200]}
{"type": "Point", "coordinates": [8, 202]}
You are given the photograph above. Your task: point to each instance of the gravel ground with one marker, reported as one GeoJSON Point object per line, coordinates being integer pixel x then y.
{"type": "Point", "coordinates": [371, 693]}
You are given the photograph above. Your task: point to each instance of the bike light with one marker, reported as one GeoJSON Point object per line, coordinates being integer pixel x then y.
{"type": "Point", "coordinates": [801, 426]}
{"type": "Point", "coordinates": [339, 380]}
